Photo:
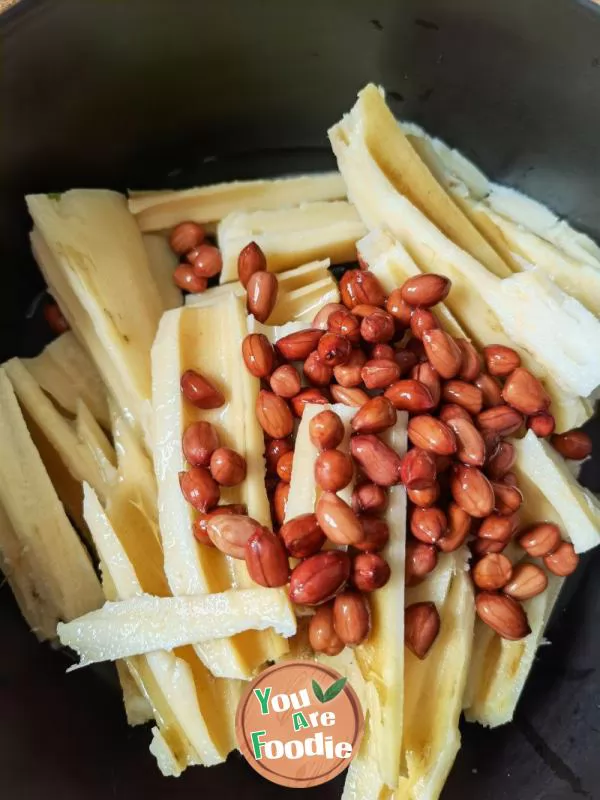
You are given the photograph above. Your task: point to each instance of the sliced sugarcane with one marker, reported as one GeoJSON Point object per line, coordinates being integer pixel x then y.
{"type": "Point", "coordinates": [162, 261]}
{"type": "Point", "coordinates": [407, 172]}
{"type": "Point", "coordinates": [208, 338]}
{"type": "Point", "coordinates": [155, 211]}
{"type": "Point", "coordinates": [59, 433]}
{"type": "Point", "coordinates": [380, 658]}
{"type": "Point", "coordinates": [186, 701]}
{"type": "Point", "coordinates": [20, 570]}
{"type": "Point", "coordinates": [61, 572]}
{"type": "Point", "coordinates": [166, 760]}
{"type": "Point", "coordinates": [574, 269]}
{"type": "Point", "coordinates": [290, 237]}
{"type": "Point", "coordinates": [66, 372]}
{"type": "Point", "coordinates": [93, 436]}
{"type": "Point", "coordinates": [540, 220]}
{"type": "Point", "coordinates": [499, 668]}
{"type": "Point", "coordinates": [389, 261]}
{"type": "Point", "coordinates": [540, 467]}
{"type": "Point", "coordinates": [137, 709]}
{"type": "Point", "coordinates": [99, 273]}
{"type": "Point", "coordinates": [304, 491]}
{"type": "Point", "coordinates": [147, 623]}
{"type": "Point", "coordinates": [301, 292]}
{"type": "Point", "coordinates": [473, 286]}
{"type": "Point", "coordinates": [432, 712]}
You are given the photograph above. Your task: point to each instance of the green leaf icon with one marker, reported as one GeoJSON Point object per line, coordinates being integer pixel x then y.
{"type": "Point", "coordinates": [335, 689]}
{"type": "Point", "coordinates": [318, 692]}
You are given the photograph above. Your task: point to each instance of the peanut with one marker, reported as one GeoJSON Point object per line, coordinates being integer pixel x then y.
{"type": "Point", "coordinates": [285, 381]}
{"type": "Point", "coordinates": [426, 290]}
{"type": "Point", "coordinates": [410, 395]}
{"type": "Point", "coordinates": [274, 415]}
{"type": "Point", "coordinates": [443, 353]}
{"type": "Point", "coordinates": [422, 320]}
{"type": "Point", "coordinates": [298, 346]}
{"type": "Point", "coordinates": [541, 539]}
{"type": "Point", "coordinates": [470, 447]}
{"type": "Point", "coordinates": [524, 392]}
{"type": "Point", "coordinates": [307, 396]}
{"type": "Point", "coordinates": [368, 498]}
{"type": "Point", "coordinates": [302, 536]}
{"type": "Point", "coordinates": [472, 491]}
{"type": "Point", "coordinates": [421, 627]}
{"type": "Point", "coordinates": [421, 559]}
{"type": "Point", "coordinates": [284, 467]}
{"type": "Point", "coordinates": [376, 415]}
{"type": "Point", "coordinates": [262, 289]}
{"type": "Point", "coordinates": [451, 411]}
{"type": "Point", "coordinates": [507, 499]}
{"type": "Point", "coordinates": [185, 236]}
{"type": "Point", "coordinates": [370, 571]}
{"type": "Point", "coordinates": [199, 488]}
{"type": "Point", "coordinates": [542, 424]}
{"type": "Point", "coordinates": [426, 374]}
{"type": "Point", "coordinates": [321, 633]}
{"type": "Point", "coordinates": [250, 260]}
{"type": "Point", "coordinates": [528, 580]}
{"type": "Point", "coordinates": [358, 286]}
{"type": "Point", "coordinates": [258, 355]}
{"type": "Point", "coordinates": [379, 373]}
{"type": "Point", "coordinates": [273, 452]}
{"type": "Point", "coordinates": [200, 524]}
{"type": "Point", "coordinates": [333, 470]}
{"type": "Point", "coordinates": [463, 394]}
{"type": "Point", "coordinates": [280, 499]}
{"type": "Point", "coordinates": [227, 467]}
{"type": "Point", "coordinates": [206, 260]}
{"type": "Point", "coordinates": [266, 560]}
{"type": "Point", "coordinates": [337, 520]}
{"type": "Point", "coordinates": [349, 374]}
{"type": "Point", "coordinates": [399, 308]}
{"type": "Point", "coordinates": [199, 391]}
{"type": "Point", "coordinates": [501, 460]}
{"type": "Point", "coordinates": [349, 397]}
{"type": "Point", "coordinates": [383, 351]}
{"type": "Point", "coordinates": [428, 524]}
{"type": "Point", "coordinates": [424, 498]}
{"type": "Point", "coordinates": [563, 561]}
{"type": "Point", "coordinates": [501, 360]}
{"type": "Point", "coordinates": [377, 327]}
{"type": "Point", "coordinates": [492, 572]}
{"type": "Point", "coordinates": [199, 442]}
{"type": "Point", "coordinates": [500, 420]}
{"type": "Point", "coordinates": [418, 469]}
{"type": "Point", "coordinates": [459, 527]}
{"type": "Point", "coordinates": [431, 434]}
{"type": "Point", "coordinates": [186, 279]}
{"type": "Point", "coordinates": [326, 430]}
{"type": "Point", "coordinates": [379, 462]}
{"type": "Point", "coordinates": [406, 360]}
{"type": "Point", "coordinates": [496, 528]}
{"type": "Point", "coordinates": [376, 534]}
{"type": "Point", "coordinates": [319, 578]}
{"type": "Point", "coordinates": [471, 361]}
{"type": "Point", "coordinates": [574, 445]}
{"type": "Point", "coordinates": [345, 323]}
{"type": "Point", "coordinates": [491, 391]}
{"type": "Point", "coordinates": [351, 617]}
{"type": "Point", "coordinates": [334, 349]}
{"type": "Point", "coordinates": [503, 614]}
{"type": "Point", "coordinates": [321, 319]}
{"type": "Point", "coordinates": [316, 370]}
{"type": "Point", "coordinates": [230, 532]}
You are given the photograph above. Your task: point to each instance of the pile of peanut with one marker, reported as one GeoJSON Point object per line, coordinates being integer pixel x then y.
{"type": "Point", "coordinates": [382, 354]}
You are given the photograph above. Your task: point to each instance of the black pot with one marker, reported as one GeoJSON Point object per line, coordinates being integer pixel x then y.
{"type": "Point", "coordinates": [140, 93]}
